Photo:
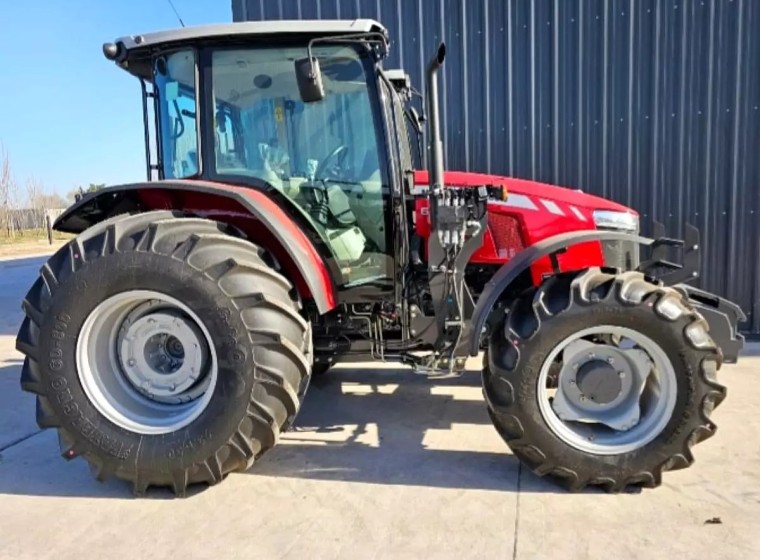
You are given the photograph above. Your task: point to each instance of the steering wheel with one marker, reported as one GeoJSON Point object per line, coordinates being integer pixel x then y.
{"type": "Point", "coordinates": [334, 162]}
{"type": "Point", "coordinates": [179, 123]}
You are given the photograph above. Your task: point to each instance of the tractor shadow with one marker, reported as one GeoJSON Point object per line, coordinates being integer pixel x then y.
{"type": "Point", "coordinates": [388, 427]}
{"type": "Point", "coordinates": [392, 426]}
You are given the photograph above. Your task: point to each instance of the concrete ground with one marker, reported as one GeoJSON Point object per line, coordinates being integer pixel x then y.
{"type": "Point", "coordinates": [382, 464]}
{"type": "Point", "coordinates": [21, 248]}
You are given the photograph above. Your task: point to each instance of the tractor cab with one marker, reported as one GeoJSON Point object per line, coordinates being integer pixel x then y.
{"type": "Point", "coordinates": [229, 107]}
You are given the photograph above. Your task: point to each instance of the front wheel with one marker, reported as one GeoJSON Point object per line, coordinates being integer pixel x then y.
{"type": "Point", "coordinates": [164, 351]}
{"type": "Point", "coordinates": [602, 379]}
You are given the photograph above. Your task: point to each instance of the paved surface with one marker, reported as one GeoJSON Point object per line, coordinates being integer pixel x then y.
{"type": "Point", "coordinates": [23, 248]}
{"type": "Point", "coordinates": [382, 465]}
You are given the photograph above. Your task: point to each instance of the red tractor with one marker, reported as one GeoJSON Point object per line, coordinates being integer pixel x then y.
{"type": "Point", "coordinates": [283, 227]}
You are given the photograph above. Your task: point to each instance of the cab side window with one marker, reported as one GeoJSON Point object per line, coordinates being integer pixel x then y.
{"type": "Point", "coordinates": [174, 76]}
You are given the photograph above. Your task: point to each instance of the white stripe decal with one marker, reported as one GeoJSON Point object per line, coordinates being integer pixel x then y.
{"type": "Point", "coordinates": [578, 214]}
{"type": "Point", "coordinates": [552, 207]}
{"type": "Point", "coordinates": [519, 201]}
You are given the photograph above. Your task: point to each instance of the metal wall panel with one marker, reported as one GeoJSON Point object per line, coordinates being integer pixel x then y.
{"type": "Point", "coordinates": [653, 103]}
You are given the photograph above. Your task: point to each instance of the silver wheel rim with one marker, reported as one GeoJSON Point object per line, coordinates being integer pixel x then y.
{"type": "Point", "coordinates": [639, 412]}
{"type": "Point", "coordinates": [146, 362]}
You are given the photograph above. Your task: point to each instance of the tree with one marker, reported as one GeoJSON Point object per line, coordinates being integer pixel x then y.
{"type": "Point", "coordinates": [33, 192]}
{"type": "Point", "coordinates": [8, 192]}
{"type": "Point", "coordinates": [39, 198]}
{"type": "Point", "coordinates": [49, 201]}
{"type": "Point", "coordinates": [72, 195]}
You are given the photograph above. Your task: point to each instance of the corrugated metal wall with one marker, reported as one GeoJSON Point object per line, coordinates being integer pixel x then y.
{"type": "Point", "coordinates": [653, 103]}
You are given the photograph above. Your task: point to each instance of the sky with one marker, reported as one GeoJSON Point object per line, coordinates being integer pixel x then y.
{"type": "Point", "coordinates": [68, 116]}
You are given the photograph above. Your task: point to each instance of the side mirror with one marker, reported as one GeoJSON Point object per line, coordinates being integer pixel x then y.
{"type": "Point", "coordinates": [309, 77]}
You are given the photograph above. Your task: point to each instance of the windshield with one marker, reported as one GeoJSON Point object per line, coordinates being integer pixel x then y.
{"type": "Point", "coordinates": [265, 130]}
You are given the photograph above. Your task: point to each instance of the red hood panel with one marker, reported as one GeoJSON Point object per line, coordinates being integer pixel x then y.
{"type": "Point", "coordinates": [523, 186]}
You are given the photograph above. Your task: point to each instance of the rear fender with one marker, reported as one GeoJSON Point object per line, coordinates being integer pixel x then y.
{"type": "Point", "coordinates": [250, 210]}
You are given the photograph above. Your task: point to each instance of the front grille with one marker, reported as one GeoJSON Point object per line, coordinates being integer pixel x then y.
{"type": "Point", "coordinates": [620, 254]}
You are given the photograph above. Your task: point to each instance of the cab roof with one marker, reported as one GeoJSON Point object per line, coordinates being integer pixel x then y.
{"type": "Point", "coordinates": [237, 30]}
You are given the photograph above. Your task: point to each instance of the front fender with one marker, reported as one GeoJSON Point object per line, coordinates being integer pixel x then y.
{"type": "Point", "coordinates": [204, 198]}
{"type": "Point", "coordinates": [509, 272]}
{"type": "Point", "coordinates": [722, 316]}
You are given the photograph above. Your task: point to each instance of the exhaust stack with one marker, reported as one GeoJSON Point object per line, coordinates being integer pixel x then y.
{"type": "Point", "coordinates": [435, 147]}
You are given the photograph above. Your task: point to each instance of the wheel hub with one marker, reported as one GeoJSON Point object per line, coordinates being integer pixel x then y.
{"type": "Point", "coordinates": [601, 384]}
{"type": "Point", "coordinates": [146, 361]}
{"type": "Point", "coordinates": [161, 353]}
{"type": "Point", "coordinates": [598, 381]}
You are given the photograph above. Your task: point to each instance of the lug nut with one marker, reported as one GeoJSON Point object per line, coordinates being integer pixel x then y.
{"type": "Point", "coordinates": [621, 374]}
{"type": "Point", "coordinates": [610, 361]}
{"type": "Point", "coordinates": [131, 362]}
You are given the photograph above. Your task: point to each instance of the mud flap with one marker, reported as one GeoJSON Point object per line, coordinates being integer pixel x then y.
{"type": "Point", "coordinates": [723, 318]}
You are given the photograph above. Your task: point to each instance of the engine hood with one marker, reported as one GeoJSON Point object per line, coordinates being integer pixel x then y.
{"type": "Point", "coordinates": [523, 186]}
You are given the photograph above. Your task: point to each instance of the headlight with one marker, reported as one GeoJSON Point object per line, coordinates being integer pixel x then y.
{"type": "Point", "coordinates": [609, 219]}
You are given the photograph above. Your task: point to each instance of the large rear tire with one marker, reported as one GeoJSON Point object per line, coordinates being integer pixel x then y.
{"type": "Point", "coordinates": [164, 351]}
{"type": "Point", "coordinates": [632, 371]}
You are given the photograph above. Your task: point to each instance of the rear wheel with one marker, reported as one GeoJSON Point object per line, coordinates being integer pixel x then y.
{"type": "Point", "coordinates": [601, 379]}
{"type": "Point", "coordinates": [164, 351]}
